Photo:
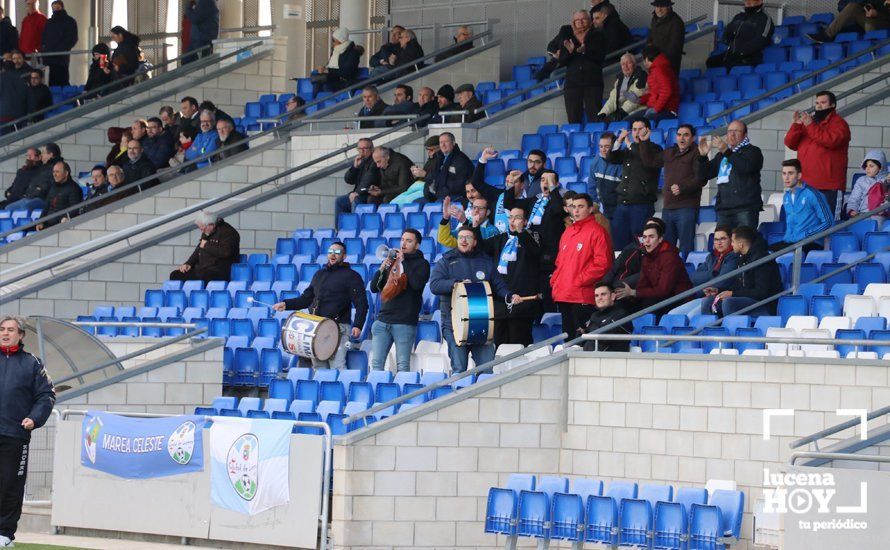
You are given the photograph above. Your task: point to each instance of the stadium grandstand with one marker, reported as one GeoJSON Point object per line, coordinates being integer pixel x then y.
{"type": "Point", "coordinates": [398, 274]}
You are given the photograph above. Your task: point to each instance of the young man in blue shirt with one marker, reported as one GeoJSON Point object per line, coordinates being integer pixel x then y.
{"type": "Point", "coordinates": [806, 211]}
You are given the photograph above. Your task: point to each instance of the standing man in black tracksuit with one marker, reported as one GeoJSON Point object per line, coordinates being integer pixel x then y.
{"type": "Point", "coordinates": [400, 282]}
{"type": "Point", "coordinates": [518, 259]}
{"type": "Point", "coordinates": [334, 289]}
{"type": "Point", "coordinates": [745, 37]}
{"type": "Point", "coordinates": [26, 401]}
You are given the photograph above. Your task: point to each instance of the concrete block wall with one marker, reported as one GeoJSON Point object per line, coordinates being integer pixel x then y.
{"type": "Point", "coordinates": [653, 419]}
{"type": "Point", "coordinates": [229, 92]}
{"type": "Point", "coordinates": [173, 389]}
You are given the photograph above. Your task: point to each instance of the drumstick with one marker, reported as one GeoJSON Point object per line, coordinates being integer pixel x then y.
{"type": "Point", "coordinates": [529, 298]}
{"type": "Point", "coordinates": [252, 301]}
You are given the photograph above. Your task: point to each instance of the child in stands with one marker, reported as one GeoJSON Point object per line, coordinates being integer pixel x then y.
{"type": "Point", "coordinates": [875, 166]}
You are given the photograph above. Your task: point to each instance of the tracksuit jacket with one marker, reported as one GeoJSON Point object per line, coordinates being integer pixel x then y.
{"type": "Point", "coordinates": [806, 213]}
{"type": "Point", "coordinates": [25, 392]}
{"type": "Point", "coordinates": [585, 256]}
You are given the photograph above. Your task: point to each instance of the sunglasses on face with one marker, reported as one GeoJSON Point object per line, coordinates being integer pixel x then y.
{"type": "Point", "coordinates": [335, 251]}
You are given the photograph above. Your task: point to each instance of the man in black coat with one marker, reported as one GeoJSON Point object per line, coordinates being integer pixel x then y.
{"type": "Point", "coordinates": [638, 185]}
{"type": "Point", "coordinates": [372, 105]}
{"type": "Point", "coordinates": [27, 395]}
{"type": "Point", "coordinates": [23, 177]}
{"type": "Point", "coordinates": [445, 100]}
{"type": "Point", "coordinates": [667, 31]}
{"type": "Point", "coordinates": [395, 175]}
{"type": "Point", "coordinates": [59, 35]}
{"type": "Point", "coordinates": [98, 186]}
{"type": "Point", "coordinates": [751, 286]}
{"type": "Point", "coordinates": [582, 59]}
{"type": "Point", "coordinates": [607, 312]}
{"type": "Point", "coordinates": [9, 35]}
{"type": "Point", "coordinates": [226, 136]}
{"type": "Point", "coordinates": [63, 194]}
{"type": "Point", "coordinates": [157, 143]}
{"type": "Point", "coordinates": [362, 175]}
{"type": "Point", "coordinates": [451, 171]}
{"type": "Point", "coordinates": [400, 282]}
{"type": "Point", "coordinates": [466, 98]}
{"type": "Point", "coordinates": [746, 36]}
{"type": "Point", "coordinates": [403, 104]}
{"type": "Point", "coordinates": [334, 290]}
{"type": "Point", "coordinates": [14, 99]}
{"type": "Point", "coordinates": [204, 18]}
{"type": "Point", "coordinates": [380, 61]}
{"type": "Point", "coordinates": [138, 166]}
{"type": "Point", "coordinates": [39, 95]}
{"type": "Point", "coordinates": [518, 259]}
{"type": "Point", "coordinates": [409, 49]}
{"type": "Point", "coordinates": [427, 105]}
{"type": "Point", "coordinates": [616, 35]}
{"type": "Point", "coordinates": [218, 249]}
{"type": "Point", "coordinates": [41, 182]}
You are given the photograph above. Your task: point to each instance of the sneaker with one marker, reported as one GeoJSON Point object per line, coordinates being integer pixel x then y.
{"type": "Point", "coordinates": [6, 542]}
{"type": "Point", "coordinates": [820, 36]}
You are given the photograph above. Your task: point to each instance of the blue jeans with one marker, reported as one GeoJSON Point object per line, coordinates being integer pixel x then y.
{"type": "Point", "coordinates": [460, 355]}
{"type": "Point", "coordinates": [680, 225]}
{"type": "Point", "coordinates": [749, 218]}
{"type": "Point", "coordinates": [730, 306]}
{"type": "Point", "coordinates": [627, 222]}
{"type": "Point", "coordinates": [655, 117]}
{"type": "Point", "coordinates": [691, 309]}
{"type": "Point", "coordinates": [382, 337]}
{"type": "Point", "coordinates": [27, 204]}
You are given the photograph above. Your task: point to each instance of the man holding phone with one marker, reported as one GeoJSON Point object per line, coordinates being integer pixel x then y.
{"type": "Point", "coordinates": [362, 175]}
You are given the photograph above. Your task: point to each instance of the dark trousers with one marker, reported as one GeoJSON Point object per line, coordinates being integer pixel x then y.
{"type": "Point", "coordinates": [201, 275]}
{"type": "Point", "coordinates": [547, 305]}
{"type": "Point", "coordinates": [13, 472]}
{"type": "Point", "coordinates": [775, 247]}
{"type": "Point", "coordinates": [574, 317]}
{"type": "Point", "coordinates": [728, 60]}
{"type": "Point", "coordinates": [627, 222]}
{"type": "Point", "coordinates": [745, 217]}
{"type": "Point", "coordinates": [831, 197]}
{"type": "Point", "coordinates": [680, 226]}
{"type": "Point", "coordinates": [58, 73]}
{"type": "Point", "coordinates": [513, 330]}
{"type": "Point", "coordinates": [579, 100]}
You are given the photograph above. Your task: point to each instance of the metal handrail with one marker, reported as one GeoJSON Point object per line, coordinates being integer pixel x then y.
{"type": "Point", "coordinates": [695, 290]}
{"type": "Point", "coordinates": [853, 422]}
{"type": "Point", "coordinates": [327, 466]}
{"type": "Point", "coordinates": [780, 8]}
{"type": "Point", "coordinates": [134, 354]}
{"type": "Point", "coordinates": [386, 76]}
{"type": "Point", "coordinates": [479, 369]}
{"type": "Point", "coordinates": [96, 244]}
{"type": "Point", "coordinates": [837, 456]}
{"type": "Point", "coordinates": [793, 341]}
{"type": "Point", "coordinates": [428, 27]}
{"type": "Point", "coordinates": [94, 92]}
{"type": "Point", "coordinates": [139, 324]}
{"type": "Point", "coordinates": [796, 81]}
{"type": "Point", "coordinates": [559, 74]}
{"type": "Point", "coordinates": [33, 56]}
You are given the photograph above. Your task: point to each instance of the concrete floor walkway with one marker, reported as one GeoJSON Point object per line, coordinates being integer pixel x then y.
{"type": "Point", "coordinates": [91, 542]}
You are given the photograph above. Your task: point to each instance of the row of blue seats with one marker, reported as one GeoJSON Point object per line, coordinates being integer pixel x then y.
{"type": "Point", "coordinates": [625, 514]}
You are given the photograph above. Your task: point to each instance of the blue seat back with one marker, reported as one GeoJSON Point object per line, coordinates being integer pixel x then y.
{"type": "Point", "coordinates": [732, 506]}
{"type": "Point", "coordinates": [602, 519]}
{"type": "Point", "coordinates": [566, 515]}
{"type": "Point", "coordinates": [534, 514]}
{"type": "Point", "coordinates": [670, 526]}
{"type": "Point", "coordinates": [635, 522]}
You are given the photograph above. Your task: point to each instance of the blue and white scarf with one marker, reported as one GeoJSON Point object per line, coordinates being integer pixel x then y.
{"type": "Point", "coordinates": [538, 211]}
{"type": "Point", "coordinates": [725, 168]}
{"type": "Point", "coordinates": [508, 254]}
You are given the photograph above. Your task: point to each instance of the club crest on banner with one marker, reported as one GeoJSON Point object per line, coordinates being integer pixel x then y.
{"type": "Point", "coordinates": [243, 463]}
{"type": "Point", "coordinates": [181, 443]}
{"type": "Point", "coordinates": [91, 436]}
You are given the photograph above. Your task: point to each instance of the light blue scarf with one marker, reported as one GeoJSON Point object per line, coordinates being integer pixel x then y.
{"type": "Point", "coordinates": [538, 211]}
{"type": "Point", "coordinates": [508, 254]}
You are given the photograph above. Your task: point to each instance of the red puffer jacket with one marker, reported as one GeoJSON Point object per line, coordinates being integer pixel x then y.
{"type": "Point", "coordinates": [822, 151]}
{"type": "Point", "coordinates": [663, 274]}
{"type": "Point", "coordinates": [664, 88]}
{"type": "Point", "coordinates": [585, 256]}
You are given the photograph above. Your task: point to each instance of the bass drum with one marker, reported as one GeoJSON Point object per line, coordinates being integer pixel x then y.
{"type": "Point", "coordinates": [472, 313]}
{"type": "Point", "coordinates": [310, 336]}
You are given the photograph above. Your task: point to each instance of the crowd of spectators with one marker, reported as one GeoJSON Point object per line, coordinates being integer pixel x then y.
{"type": "Point", "coordinates": [149, 151]}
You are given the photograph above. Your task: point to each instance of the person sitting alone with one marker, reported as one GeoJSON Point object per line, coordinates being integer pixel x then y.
{"type": "Point", "coordinates": [218, 248]}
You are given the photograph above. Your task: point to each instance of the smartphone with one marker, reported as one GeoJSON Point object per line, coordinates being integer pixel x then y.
{"type": "Point", "coordinates": [103, 60]}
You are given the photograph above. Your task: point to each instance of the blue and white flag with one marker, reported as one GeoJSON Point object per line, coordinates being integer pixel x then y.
{"type": "Point", "coordinates": [249, 472]}
{"type": "Point", "coordinates": [139, 448]}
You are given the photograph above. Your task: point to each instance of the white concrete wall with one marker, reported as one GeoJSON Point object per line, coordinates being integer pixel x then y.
{"type": "Point", "coordinates": [653, 419]}
{"type": "Point", "coordinates": [228, 92]}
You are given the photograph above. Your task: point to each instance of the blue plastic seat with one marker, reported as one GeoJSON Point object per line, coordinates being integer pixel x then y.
{"type": "Point", "coordinates": [849, 334]}
{"type": "Point", "coordinates": [534, 507]}
{"type": "Point", "coordinates": [332, 391]}
{"type": "Point", "coordinates": [870, 324]}
{"type": "Point", "coordinates": [307, 390]}
{"type": "Point", "coordinates": [567, 517]}
{"type": "Point", "coordinates": [281, 389]}
{"type": "Point", "coordinates": [792, 305]}
{"type": "Point", "coordinates": [602, 520]}
{"type": "Point", "coordinates": [731, 505]}
{"type": "Point", "coordinates": [635, 522]}
{"type": "Point", "coordinates": [670, 526]}
{"type": "Point", "coordinates": [378, 376]}
{"type": "Point", "coordinates": [361, 392]}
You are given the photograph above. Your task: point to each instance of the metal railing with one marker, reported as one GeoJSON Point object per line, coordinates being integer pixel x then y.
{"type": "Point", "coordinates": [325, 541]}
{"type": "Point", "coordinates": [792, 83]}
{"type": "Point", "coordinates": [88, 94]}
{"type": "Point", "coordinates": [836, 456]}
{"type": "Point", "coordinates": [64, 256]}
{"type": "Point", "coordinates": [557, 76]}
{"type": "Point", "coordinates": [387, 76]}
{"type": "Point", "coordinates": [852, 423]}
{"type": "Point", "coordinates": [720, 340]}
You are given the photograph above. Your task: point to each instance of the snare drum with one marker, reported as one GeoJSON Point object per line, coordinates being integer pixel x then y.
{"type": "Point", "coordinates": [310, 336]}
{"type": "Point", "coordinates": [472, 313]}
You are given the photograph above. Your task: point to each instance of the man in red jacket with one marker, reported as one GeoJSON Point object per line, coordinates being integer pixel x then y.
{"type": "Point", "coordinates": [31, 34]}
{"type": "Point", "coordinates": [663, 99]}
{"type": "Point", "coordinates": [821, 141]}
{"type": "Point", "coordinates": [662, 274]}
{"type": "Point", "coordinates": [584, 257]}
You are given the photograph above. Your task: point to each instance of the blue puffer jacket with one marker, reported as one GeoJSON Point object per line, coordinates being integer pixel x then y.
{"type": "Point", "coordinates": [205, 142]}
{"type": "Point", "coordinates": [454, 267]}
{"type": "Point", "coordinates": [25, 392]}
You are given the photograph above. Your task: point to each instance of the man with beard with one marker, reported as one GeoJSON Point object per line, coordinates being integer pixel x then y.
{"type": "Point", "coordinates": [23, 177]}
{"type": "Point", "coordinates": [821, 141]}
{"type": "Point", "coordinates": [158, 143]}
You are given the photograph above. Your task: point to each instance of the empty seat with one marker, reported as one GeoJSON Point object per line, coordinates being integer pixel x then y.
{"type": "Point", "coordinates": [534, 507]}
{"type": "Point", "coordinates": [501, 512]}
